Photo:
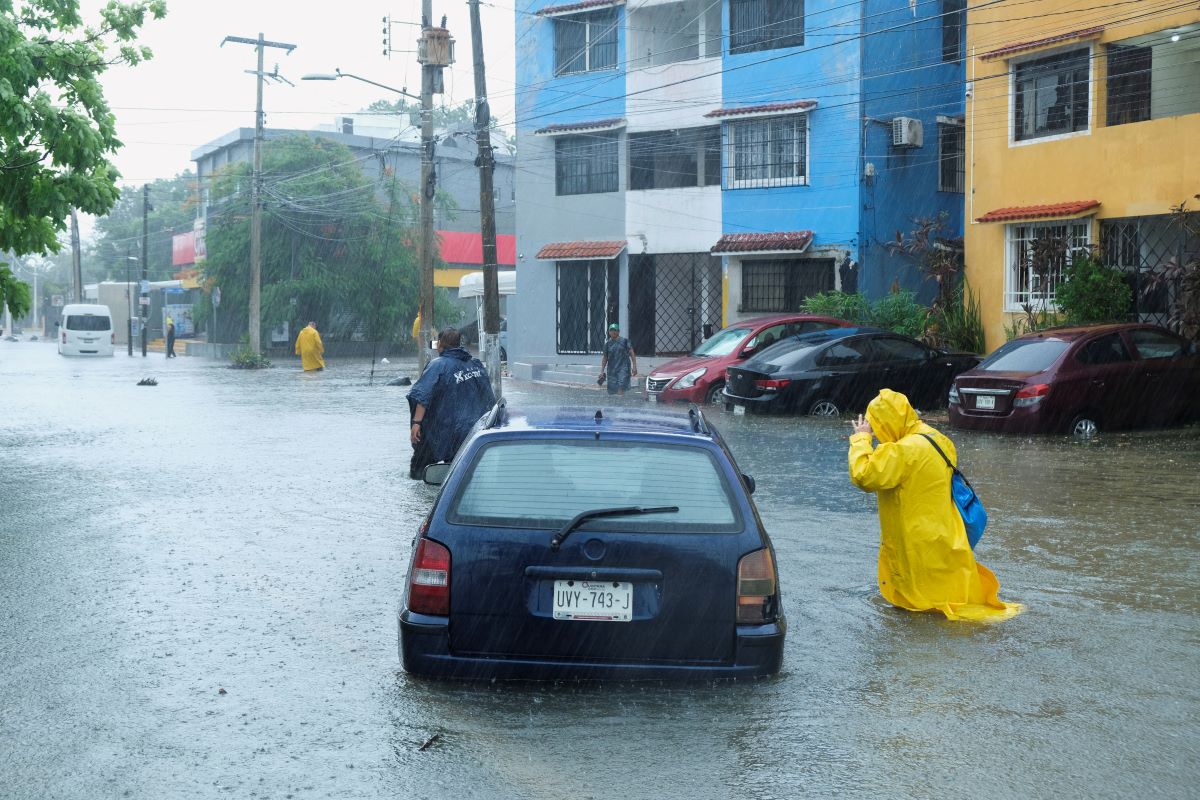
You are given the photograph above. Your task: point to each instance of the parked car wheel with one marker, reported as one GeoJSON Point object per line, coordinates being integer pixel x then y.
{"type": "Point", "coordinates": [715, 394]}
{"type": "Point", "coordinates": [1084, 426]}
{"type": "Point", "coordinates": [824, 408]}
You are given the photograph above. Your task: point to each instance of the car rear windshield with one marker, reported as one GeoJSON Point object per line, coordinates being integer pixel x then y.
{"type": "Point", "coordinates": [723, 343]}
{"type": "Point", "coordinates": [1028, 355]}
{"type": "Point", "coordinates": [545, 483]}
{"type": "Point", "coordinates": [88, 322]}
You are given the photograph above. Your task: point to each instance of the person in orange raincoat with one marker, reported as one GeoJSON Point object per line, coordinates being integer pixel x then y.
{"type": "Point", "coordinates": [925, 561]}
{"type": "Point", "coordinates": [310, 348]}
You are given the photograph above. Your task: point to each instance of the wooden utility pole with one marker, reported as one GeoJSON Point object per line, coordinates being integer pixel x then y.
{"type": "Point", "coordinates": [144, 297]}
{"type": "Point", "coordinates": [487, 208]}
{"type": "Point", "coordinates": [434, 51]}
{"type": "Point", "coordinates": [256, 195]}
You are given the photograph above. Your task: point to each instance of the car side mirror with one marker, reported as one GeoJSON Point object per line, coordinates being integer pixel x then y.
{"type": "Point", "coordinates": [749, 481]}
{"type": "Point", "coordinates": [435, 474]}
{"type": "Point", "coordinates": [748, 351]}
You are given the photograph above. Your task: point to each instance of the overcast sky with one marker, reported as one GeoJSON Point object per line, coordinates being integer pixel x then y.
{"type": "Point", "coordinates": [194, 90]}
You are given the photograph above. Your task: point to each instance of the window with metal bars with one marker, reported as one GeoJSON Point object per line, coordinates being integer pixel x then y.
{"type": "Point", "coordinates": [765, 24]}
{"type": "Point", "coordinates": [1051, 95]}
{"type": "Point", "coordinates": [954, 25]}
{"type": "Point", "coordinates": [1129, 84]}
{"type": "Point", "coordinates": [588, 300]}
{"type": "Point", "coordinates": [585, 164]}
{"type": "Point", "coordinates": [675, 159]}
{"type": "Point", "coordinates": [585, 42]}
{"type": "Point", "coordinates": [1025, 284]}
{"type": "Point", "coordinates": [772, 151]}
{"type": "Point", "coordinates": [951, 140]}
{"type": "Point", "coordinates": [783, 284]}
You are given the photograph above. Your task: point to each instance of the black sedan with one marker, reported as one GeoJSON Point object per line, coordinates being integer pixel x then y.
{"type": "Point", "coordinates": [842, 369]}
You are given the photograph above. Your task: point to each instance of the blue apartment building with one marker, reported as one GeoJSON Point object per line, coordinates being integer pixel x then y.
{"type": "Point", "coordinates": [685, 164]}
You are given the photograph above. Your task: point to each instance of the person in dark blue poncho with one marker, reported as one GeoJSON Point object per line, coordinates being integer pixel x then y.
{"type": "Point", "coordinates": [451, 395]}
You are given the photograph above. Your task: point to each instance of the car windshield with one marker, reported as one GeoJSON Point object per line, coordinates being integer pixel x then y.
{"type": "Point", "coordinates": [87, 322]}
{"type": "Point", "coordinates": [544, 483]}
{"type": "Point", "coordinates": [724, 343]}
{"type": "Point", "coordinates": [1025, 355]}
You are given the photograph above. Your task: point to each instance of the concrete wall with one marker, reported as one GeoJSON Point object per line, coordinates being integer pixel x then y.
{"type": "Point", "coordinates": [1137, 169]}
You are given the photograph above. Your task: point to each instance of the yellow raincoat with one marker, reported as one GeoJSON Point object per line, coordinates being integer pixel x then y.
{"type": "Point", "coordinates": [925, 562]}
{"type": "Point", "coordinates": [310, 349]}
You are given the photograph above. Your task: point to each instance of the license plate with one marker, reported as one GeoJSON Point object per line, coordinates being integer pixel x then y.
{"type": "Point", "coordinates": [593, 601]}
{"type": "Point", "coordinates": [739, 410]}
{"type": "Point", "coordinates": [985, 401]}
{"type": "Point", "coordinates": [653, 398]}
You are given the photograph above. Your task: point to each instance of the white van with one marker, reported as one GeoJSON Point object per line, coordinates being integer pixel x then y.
{"type": "Point", "coordinates": [86, 330]}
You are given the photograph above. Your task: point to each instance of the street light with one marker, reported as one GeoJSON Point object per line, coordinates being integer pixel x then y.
{"type": "Point", "coordinates": [337, 73]}
{"type": "Point", "coordinates": [128, 305]}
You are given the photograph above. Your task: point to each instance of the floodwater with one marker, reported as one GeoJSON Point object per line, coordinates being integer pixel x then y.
{"type": "Point", "coordinates": [199, 581]}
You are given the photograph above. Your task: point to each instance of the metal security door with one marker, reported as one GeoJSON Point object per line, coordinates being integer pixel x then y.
{"type": "Point", "coordinates": [588, 296]}
{"type": "Point", "coordinates": [675, 301]}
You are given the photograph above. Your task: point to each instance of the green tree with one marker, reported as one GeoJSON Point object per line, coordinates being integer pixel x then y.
{"type": "Point", "coordinates": [118, 234]}
{"type": "Point", "coordinates": [13, 294]}
{"type": "Point", "coordinates": [337, 247]}
{"type": "Point", "coordinates": [1091, 291]}
{"type": "Point", "coordinates": [454, 119]}
{"type": "Point", "coordinates": [56, 130]}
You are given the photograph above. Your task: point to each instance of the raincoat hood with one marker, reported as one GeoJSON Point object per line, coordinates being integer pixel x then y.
{"type": "Point", "coordinates": [892, 417]}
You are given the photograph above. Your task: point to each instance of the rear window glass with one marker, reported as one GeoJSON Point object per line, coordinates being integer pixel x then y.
{"type": "Point", "coordinates": [545, 483]}
{"type": "Point", "coordinates": [88, 322]}
{"type": "Point", "coordinates": [788, 353]}
{"type": "Point", "coordinates": [1029, 355]}
{"type": "Point", "coordinates": [1152, 344]}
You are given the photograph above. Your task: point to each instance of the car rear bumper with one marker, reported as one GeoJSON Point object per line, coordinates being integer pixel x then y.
{"type": "Point", "coordinates": [1019, 420]}
{"type": "Point", "coordinates": [764, 404]}
{"type": "Point", "coordinates": [425, 651]}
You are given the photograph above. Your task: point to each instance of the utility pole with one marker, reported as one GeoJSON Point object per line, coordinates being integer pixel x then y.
{"type": "Point", "coordinates": [256, 194]}
{"type": "Point", "coordinates": [128, 305]}
{"type": "Point", "coordinates": [435, 50]}
{"type": "Point", "coordinates": [76, 258]}
{"type": "Point", "coordinates": [144, 296]}
{"type": "Point", "coordinates": [486, 162]}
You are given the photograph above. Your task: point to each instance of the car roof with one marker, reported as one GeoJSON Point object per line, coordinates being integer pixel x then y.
{"type": "Point", "coordinates": [615, 419]}
{"type": "Point", "coordinates": [1073, 332]}
{"type": "Point", "coordinates": [770, 319]}
{"type": "Point", "coordinates": [821, 337]}
{"type": "Point", "coordinates": [86, 308]}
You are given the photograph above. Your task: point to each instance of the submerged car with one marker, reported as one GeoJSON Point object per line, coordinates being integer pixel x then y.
{"type": "Point", "coordinates": [699, 377]}
{"type": "Point", "coordinates": [1079, 380]}
{"type": "Point", "coordinates": [579, 544]}
{"type": "Point", "coordinates": [840, 370]}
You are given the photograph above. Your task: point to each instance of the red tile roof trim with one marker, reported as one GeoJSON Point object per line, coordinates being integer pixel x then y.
{"type": "Point", "coordinates": [571, 8]}
{"type": "Point", "coordinates": [769, 108]}
{"type": "Point", "coordinates": [1037, 212]}
{"type": "Point", "coordinates": [1022, 47]}
{"type": "Point", "coordinates": [763, 242]}
{"type": "Point", "coordinates": [565, 251]}
{"type": "Point", "coordinates": [570, 127]}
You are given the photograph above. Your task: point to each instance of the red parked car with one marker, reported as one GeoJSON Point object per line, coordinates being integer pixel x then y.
{"type": "Point", "coordinates": [1081, 380]}
{"type": "Point", "coordinates": [699, 377]}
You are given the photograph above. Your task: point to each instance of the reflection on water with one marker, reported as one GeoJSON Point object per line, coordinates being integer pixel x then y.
{"type": "Point", "coordinates": [250, 531]}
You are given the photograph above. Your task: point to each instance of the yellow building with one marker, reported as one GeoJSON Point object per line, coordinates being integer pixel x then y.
{"type": "Point", "coordinates": [1083, 125]}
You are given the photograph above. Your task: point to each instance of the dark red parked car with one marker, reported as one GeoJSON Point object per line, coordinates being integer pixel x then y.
{"type": "Point", "coordinates": [699, 377]}
{"type": "Point", "coordinates": [1081, 380]}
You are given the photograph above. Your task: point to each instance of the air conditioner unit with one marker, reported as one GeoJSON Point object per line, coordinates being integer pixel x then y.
{"type": "Point", "coordinates": [907, 132]}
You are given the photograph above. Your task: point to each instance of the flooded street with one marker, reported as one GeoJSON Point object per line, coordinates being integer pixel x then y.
{"type": "Point", "coordinates": [199, 583]}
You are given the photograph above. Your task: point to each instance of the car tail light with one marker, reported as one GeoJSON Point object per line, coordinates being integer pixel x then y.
{"type": "Point", "coordinates": [429, 581]}
{"type": "Point", "coordinates": [112, 338]}
{"type": "Point", "coordinates": [756, 588]}
{"type": "Point", "coordinates": [1031, 395]}
{"type": "Point", "coordinates": [771, 384]}
{"type": "Point", "coordinates": [953, 400]}
{"type": "Point", "coordinates": [64, 337]}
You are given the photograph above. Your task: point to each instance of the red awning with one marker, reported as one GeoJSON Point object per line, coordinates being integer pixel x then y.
{"type": "Point", "coordinates": [579, 251]}
{"type": "Point", "coordinates": [782, 241]}
{"type": "Point", "coordinates": [769, 108]}
{"type": "Point", "coordinates": [1068, 209]}
{"type": "Point", "coordinates": [1024, 47]}
{"type": "Point", "coordinates": [467, 248]}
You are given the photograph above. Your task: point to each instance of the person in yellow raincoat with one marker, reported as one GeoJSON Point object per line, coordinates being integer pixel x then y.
{"type": "Point", "coordinates": [310, 348]}
{"type": "Point", "coordinates": [925, 561]}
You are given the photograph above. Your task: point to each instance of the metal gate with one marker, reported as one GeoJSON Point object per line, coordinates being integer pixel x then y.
{"type": "Point", "coordinates": [1142, 245]}
{"type": "Point", "coordinates": [588, 294]}
{"type": "Point", "coordinates": [674, 301]}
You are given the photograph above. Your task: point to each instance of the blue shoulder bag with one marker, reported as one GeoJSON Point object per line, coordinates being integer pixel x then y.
{"type": "Point", "coordinates": [974, 515]}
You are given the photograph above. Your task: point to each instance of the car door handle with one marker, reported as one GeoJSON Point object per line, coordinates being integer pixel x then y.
{"type": "Point", "coordinates": [1097, 382]}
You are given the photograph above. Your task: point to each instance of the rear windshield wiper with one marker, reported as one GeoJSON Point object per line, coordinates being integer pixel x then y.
{"type": "Point", "coordinates": [624, 511]}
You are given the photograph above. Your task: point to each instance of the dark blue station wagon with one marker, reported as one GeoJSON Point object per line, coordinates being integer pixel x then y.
{"type": "Point", "coordinates": [577, 544]}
